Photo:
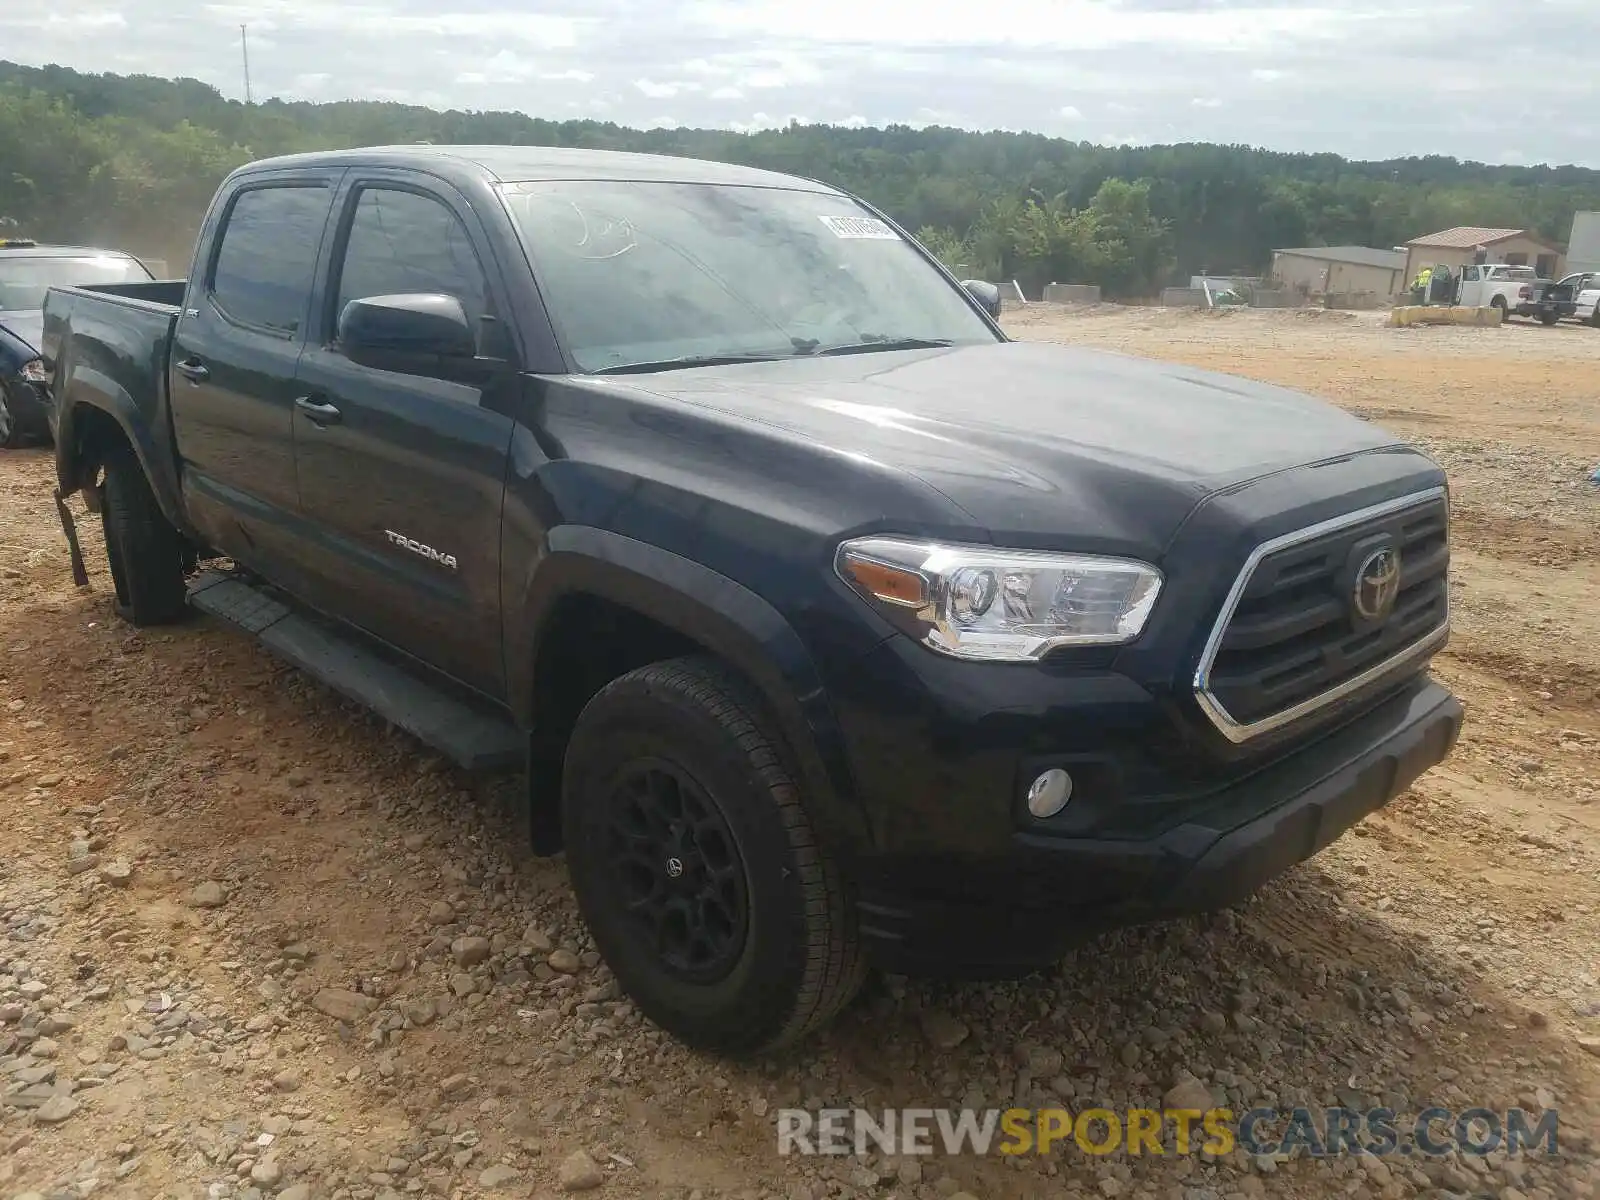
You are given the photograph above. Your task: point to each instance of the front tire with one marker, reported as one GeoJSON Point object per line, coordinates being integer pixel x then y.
{"type": "Point", "coordinates": [696, 867]}
{"type": "Point", "coordinates": [10, 431]}
{"type": "Point", "coordinates": [145, 553]}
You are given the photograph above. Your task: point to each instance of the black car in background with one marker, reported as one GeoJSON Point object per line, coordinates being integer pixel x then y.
{"type": "Point", "coordinates": [27, 272]}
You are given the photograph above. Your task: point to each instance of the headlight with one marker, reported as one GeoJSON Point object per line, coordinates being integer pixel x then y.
{"type": "Point", "coordinates": [1001, 605]}
{"type": "Point", "coordinates": [33, 371]}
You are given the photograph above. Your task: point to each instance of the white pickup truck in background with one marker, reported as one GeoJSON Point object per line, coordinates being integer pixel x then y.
{"type": "Point", "coordinates": [1511, 289]}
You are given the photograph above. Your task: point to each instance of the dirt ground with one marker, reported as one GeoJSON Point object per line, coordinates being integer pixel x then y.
{"type": "Point", "coordinates": [240, 922]}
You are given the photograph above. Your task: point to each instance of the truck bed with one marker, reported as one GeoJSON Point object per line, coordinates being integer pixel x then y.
{"type": "Point", "coordinates": [167, 293]}
{"type": "Point", "coordinates": [108, 345]}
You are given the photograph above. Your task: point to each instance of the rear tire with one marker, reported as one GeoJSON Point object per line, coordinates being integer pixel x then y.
{"type": "Point", "coordinates": [695, 865]}
{"type": "Point", "coordinates": [1505, 313]}
{"type": "Point", "coordinates": [145, 553]}
{"type": "Point", "coordinates": [1549, 318]}
{"type": "Point", "coordinates": [1594, 317]}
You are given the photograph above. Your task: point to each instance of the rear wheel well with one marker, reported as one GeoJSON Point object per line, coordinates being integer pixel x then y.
{"type": "Point", "coordinates": [587, 641]}
{"type": "Point", "coordinates": [95, 437]}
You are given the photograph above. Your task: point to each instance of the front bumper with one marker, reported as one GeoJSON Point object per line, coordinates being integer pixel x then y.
{"type": "Point", "coordinates": [1555, 309]}
{"type": "Point", "coordinates": [1006, 911]}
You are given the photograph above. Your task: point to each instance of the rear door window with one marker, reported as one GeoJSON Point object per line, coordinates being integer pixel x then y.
{"type": "Point", "coordinates": [264, 264]}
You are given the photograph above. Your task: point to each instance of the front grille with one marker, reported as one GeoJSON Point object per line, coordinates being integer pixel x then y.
{"type": "Point", "coordinates": [1289, 640]}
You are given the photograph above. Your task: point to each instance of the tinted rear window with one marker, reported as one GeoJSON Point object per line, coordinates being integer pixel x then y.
{"type": "Point", "coordinates": [269, 246]}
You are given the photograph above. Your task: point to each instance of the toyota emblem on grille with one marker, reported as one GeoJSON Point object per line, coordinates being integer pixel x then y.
{"type": "Point", "coordinates": [1377, 584]}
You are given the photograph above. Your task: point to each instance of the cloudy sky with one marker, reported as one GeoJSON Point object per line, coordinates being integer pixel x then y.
{"type": "Point", "coordinates": [1514, 81]}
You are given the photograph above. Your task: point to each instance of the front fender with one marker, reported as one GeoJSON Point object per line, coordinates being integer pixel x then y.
{"type": "Point", "coordinates": [14, 352]}
{"type": "Point", "coordinates": [717, 612]}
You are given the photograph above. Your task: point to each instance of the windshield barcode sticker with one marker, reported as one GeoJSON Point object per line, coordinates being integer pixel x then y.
{"type": "Point", "coordinates": [860, 227]}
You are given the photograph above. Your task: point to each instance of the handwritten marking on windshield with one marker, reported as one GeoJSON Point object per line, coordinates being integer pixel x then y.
{"type": "Point", "coordinates": [868, 228]}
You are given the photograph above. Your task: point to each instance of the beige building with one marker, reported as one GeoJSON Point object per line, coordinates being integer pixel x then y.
{"type": "Point", "coordinates": [1342, 270]}
{"type": "Point", "coordinates": [1456, 248]}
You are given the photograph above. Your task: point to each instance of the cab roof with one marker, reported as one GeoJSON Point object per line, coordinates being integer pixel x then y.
{"type": "Point", "coordinates": [527, 164]}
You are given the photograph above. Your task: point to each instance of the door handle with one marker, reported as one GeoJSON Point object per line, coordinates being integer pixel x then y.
{"type": "Point", "coordinates": [318, 412]}
{"type": "Point", "coordinates": [193, 370]}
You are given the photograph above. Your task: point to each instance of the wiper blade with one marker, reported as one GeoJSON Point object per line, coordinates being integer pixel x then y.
{"type": "Point", "coordinates": [868, 345]}
{"type": "Point", "coordinates": [688, 360]}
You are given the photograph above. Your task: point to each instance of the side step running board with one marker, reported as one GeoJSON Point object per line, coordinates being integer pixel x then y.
{"type": "Point", "coordinates": [476, 738]}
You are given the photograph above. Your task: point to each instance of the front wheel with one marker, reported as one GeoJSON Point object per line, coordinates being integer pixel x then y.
{"type": "Point", "coordinates": [696, 867]}
{"type": "Point", "coordinates": [144, 551]}
{"type": "Point", "coordinates": [10, 432]}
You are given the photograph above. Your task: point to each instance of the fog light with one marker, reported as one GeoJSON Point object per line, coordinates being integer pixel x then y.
{"type": "Point", "coordinates": [1049, 793]}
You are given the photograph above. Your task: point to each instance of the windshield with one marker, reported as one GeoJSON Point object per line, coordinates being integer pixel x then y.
{"type": "Point", "coordinates": [25, 279]}
{"type": "Point", "coordinates": [656, 272]}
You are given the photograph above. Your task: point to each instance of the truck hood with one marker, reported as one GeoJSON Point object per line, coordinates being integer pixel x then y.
{"type": "Point", "coordinates": [26, 324]}
{"type": "Point", "coordinates": [1036, 441]}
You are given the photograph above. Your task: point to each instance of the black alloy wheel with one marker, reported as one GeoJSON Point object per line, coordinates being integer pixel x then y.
{"type": "Point", "coordinates": [680, 875]}
{"type": "Point", "coordinates": [696, 866]}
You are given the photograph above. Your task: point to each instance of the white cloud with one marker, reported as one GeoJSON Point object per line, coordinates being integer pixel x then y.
{"type": "Point", "coordinates": [1353, 63]}
{"type": "Point", "coordinates": [504, 67]}
{"type": "Point", "coordinates": [657, 91]}
{"type": "Point", "coordinates": [788, 75]}
{"type": "Point", "coordinates": [1074, 25]}
{"type": "Point", "coordinates": [390, 20]}
{"type": "Point", "coordinates": [93, 19]}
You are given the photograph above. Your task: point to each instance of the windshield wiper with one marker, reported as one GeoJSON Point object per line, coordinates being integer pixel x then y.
{"type": "Point", "coordinates": [688, 360]}
{"type": "Point", "coordinates": [868, 345]}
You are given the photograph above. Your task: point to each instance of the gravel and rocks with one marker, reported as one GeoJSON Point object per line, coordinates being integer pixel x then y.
{"type": "Point", "coordinates": [208, 895]}
{"type": "Point", "coordinates": [580, 1173]}
{"type": "Point", "coordinates": [312, 962]}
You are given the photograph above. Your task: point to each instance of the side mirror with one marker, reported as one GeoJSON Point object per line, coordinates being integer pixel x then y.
{"type": "Point", "coordinates": [421, 334]}
{"type": "Point", "coordinates": [985, 294]}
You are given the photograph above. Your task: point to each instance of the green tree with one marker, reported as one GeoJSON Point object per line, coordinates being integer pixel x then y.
{"type": "Point", "coordinates": [133, 160]}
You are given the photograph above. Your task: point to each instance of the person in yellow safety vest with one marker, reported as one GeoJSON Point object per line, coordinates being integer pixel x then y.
{"type": "Point", "coordinates": [1419, 286]}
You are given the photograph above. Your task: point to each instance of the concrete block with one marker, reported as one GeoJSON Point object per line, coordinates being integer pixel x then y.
{"type": "Point", "coordinates": [1267, 298]}
{"type": "Point", "coordinates": [1072, 293]}
{"type": "Point", "coordinates": [1405, 315]}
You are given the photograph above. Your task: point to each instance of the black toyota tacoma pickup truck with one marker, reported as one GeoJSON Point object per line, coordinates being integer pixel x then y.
{"type": "Point", "coordinates": [832, 626]}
